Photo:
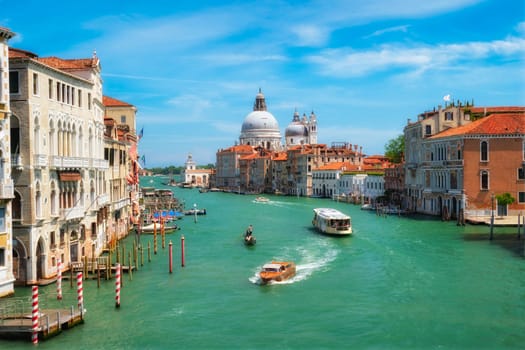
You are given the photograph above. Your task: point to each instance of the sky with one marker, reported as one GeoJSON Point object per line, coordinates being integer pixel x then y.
{"type": "Point", "coordinates": [364, 67]}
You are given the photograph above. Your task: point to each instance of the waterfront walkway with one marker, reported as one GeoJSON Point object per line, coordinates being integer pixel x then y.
{"type": "Point", "coordinates": [498, 220]}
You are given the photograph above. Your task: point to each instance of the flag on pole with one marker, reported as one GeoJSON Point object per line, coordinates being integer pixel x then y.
{"type": "Point", "coordinates": [446, 98]}
{"type": "Point", "coordinates": [141, 133]}
{"type": "Point", "coordinates": [144, 160]}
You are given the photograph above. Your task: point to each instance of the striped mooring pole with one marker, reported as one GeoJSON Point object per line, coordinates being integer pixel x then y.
{"type": "Point", "coordinates": [34, 316]}
{"type": "Point", "coordinates": [117, 287]}
{"type": "Point", "coordinates": [80, 296]}
{"type": "Point", "coordinates": [59, 279]}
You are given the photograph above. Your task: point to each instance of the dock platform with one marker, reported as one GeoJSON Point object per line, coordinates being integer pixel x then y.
{"type": "Point", "coordinates": [51, 323]}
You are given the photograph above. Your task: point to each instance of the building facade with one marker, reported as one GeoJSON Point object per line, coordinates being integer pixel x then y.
{"type": "Point", "coordinates": [7, 278]}
{"type": "Point", "coordinates": [60, 174]}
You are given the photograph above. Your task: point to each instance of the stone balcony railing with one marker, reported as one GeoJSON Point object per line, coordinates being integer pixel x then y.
{"type": "Point", "coordinates": [72, 213]}
{"type": "Point", "coordinates": [7, 188]}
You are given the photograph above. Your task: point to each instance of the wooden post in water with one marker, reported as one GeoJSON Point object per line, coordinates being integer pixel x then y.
{"type": "Point", "coordinates": [154, 241]}
{"type": "Point", "coordinates": [130, 269]}
{"type": "Point", "coordinates": [519, 220]}
{"type": "Point", "coordinates": [85, 266]}
{"type": "Point", "coordinates": [141, 255]}
{"type": "Point", "coordinates": [149, 252]}
{"type": "Point", "coordinates": [71, 275]}
{"type": "Point", "coordinates": [108, 266]}
{"type": "Point", "coordinates": [182, 250]}
{"type": "Point", "coordinates": [92, 261]}
{"type": "Point", "coordinates": [98, 277]}
{"type": "Point", "coordinates": [171, 257]}
{"type": "Point", "coordinates": [118, 253]}
{"type": "Point", "coordinates": [136, 253]}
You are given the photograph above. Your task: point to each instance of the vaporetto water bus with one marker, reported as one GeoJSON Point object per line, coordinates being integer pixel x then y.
{"type": "Point", "coordinates": [332, 221]}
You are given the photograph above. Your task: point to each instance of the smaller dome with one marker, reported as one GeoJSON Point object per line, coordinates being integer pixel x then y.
{"type": "Point", "coordinates": [296, 130]}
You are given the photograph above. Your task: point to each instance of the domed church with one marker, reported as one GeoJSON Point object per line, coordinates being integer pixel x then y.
{"type": "Point", "coordinates": [260, 128]}
{"type": "Point", "coordinates": [301, 131]}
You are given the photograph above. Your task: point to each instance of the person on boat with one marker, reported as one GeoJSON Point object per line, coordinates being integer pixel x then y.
{"type": "Point", "coordinates": [249, 232]}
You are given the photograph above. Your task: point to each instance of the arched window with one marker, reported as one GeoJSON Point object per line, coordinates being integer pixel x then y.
{"type": "Point", "coordinates": [484, 175]}
{"type": "Point", "coordinates": [484, 151]}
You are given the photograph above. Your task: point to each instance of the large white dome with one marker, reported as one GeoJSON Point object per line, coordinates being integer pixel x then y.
{"type": "Point", "coordinates": [260, 128]}
{"type": "Point", "coordinates": [259, 120]}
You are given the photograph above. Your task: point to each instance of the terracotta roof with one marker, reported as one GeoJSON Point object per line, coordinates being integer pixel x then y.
{"type": "Point", "coordinates": [19, 53]}
{"type": "Point", "coordinates": [501, 109]}
{"type": "Point", "coordinates": [113, 102]}
{"type": "Point", "coordinates": [343, 166]}
{"type": "Point", "coordinates": [69, 64]}
{"type": "Point", "coordinates": [494, 124]}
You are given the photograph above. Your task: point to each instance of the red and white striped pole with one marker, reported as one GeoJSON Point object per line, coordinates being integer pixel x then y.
{"type": "Point", "coordinates": [34, 316]}
{"type": "Point", "coordinates": [117, 287]}
{"type": "Point", "coordinates": [80, 296]}
{"type": "Point", "coordinates": [59, 279]}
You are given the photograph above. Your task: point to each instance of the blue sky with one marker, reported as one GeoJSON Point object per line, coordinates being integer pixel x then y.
{"type": "Point", "coordinates": [193, 68]}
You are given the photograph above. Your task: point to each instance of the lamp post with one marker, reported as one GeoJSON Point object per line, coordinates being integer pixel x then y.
{"type": "Point", "coordinates": [492, 216]}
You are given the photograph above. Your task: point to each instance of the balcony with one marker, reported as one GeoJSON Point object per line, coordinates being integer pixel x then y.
{"type": "Point", "coordinates": [72, 213]}
{"type": "Point", "coordinates": [102, 200]}
{"type": "Point", "coordinates": [40, 160]}
{"type": "Point", "coordinates": [122, 203]}
{"type": "Point", "coordinates": [7, 189]}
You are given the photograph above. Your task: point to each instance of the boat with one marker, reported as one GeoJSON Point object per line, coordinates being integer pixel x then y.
{"type": "Point", "coordinates": [261, 199]}
{"type": "Point", "coordinates": [277, 271]}
{"type": "Point", "coordinates": [250, 240]}
{"type": "Point", "coordinates": [195, 212]}
{"type": "Point", "coordinates": [168, 228]}
{"type": "Point", "coordinates": [332, 221]}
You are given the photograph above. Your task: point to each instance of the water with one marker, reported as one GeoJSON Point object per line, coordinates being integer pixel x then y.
{"type": "Point", "coordinates": [398, 283]}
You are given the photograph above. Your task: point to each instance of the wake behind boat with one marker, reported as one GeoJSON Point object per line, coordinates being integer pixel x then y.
{"type": "Point", "coordinates": [332, 221]}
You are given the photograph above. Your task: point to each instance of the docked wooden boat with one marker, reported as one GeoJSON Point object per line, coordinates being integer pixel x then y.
{"type": "Point", "coordinates": [277, 271]}
{"type": "Point", "coordinates": [168, 228]}
{"type": "Point", "coordinates": [332, 221]}
{"type": "Point", "coordinates": [250, 240]}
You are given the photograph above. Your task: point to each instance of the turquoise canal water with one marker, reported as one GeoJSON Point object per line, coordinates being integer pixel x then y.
{"type": "Point", "coordinates": [397, 283]}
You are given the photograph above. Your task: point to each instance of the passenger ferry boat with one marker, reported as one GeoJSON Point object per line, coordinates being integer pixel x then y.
{"type": "Point", "coordinates": [331, 221]}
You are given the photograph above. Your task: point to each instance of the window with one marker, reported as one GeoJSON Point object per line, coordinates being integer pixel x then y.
{"type": "Point", "coordinates": [521, 173]}
{"type": "Point", "coordinates": [35, 84]}
{"type": "Point", "coordinates": [2, 219]}
{"type": "Point", "coordinates": [428, 129]}
{"type": "Point", "coordinates": [123, 119]}
{"type": "Point", "coordinates": [484, 151]}
{"type": "Point", "coordinates": [484, 180]}
{"type": "Point", "coordinates": [50, 88]}
{"type": "Point", "coordinates": [89, 100]}
{"type": "Point", "coordinates": [80, 98]}
{"type": "Point", "coordinates": [449, 116]}
{"type": "Point", "coordinates": [521, 197]}
{"type": "Point", "coordinates": [14, 84]}
{"type": "Point", "coordinates": [2, 256]}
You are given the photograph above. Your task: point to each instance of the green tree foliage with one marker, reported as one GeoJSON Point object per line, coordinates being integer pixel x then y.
{"type": "Point", "coordinates": [505, 199]}
{"type": "Point", "coordinates": [395, 148]}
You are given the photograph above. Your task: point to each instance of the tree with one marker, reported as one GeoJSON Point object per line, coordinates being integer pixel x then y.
{"type": "Point", "coordinates": [395, 148]}
{"type": "Point", "coordinates": [505, 199]}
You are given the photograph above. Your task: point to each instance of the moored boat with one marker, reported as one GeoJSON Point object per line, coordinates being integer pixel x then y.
{"type": "Point", "coordinates": [168, 228]}
{"type": "Point", "coordinates": [277, 271]}
{"type": "Point", "coordinates": [332, 221]}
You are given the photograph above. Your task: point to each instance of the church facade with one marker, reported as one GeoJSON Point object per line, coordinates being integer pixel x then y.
{"type": "Point", "coordinates": [262, 163]}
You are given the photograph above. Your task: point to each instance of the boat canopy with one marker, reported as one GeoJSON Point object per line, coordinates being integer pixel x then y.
{"type": "Point", "coordinates": [272, 267]}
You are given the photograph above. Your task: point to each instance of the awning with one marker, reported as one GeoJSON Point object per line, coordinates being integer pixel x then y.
{"type": "Point", "coordinates": [69, 176]}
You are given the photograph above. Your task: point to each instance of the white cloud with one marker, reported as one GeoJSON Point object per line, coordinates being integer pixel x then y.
{"type": "Point", "coordinates": [310, 35]}
{"type": "Point", "coordinates": [346, 62]}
